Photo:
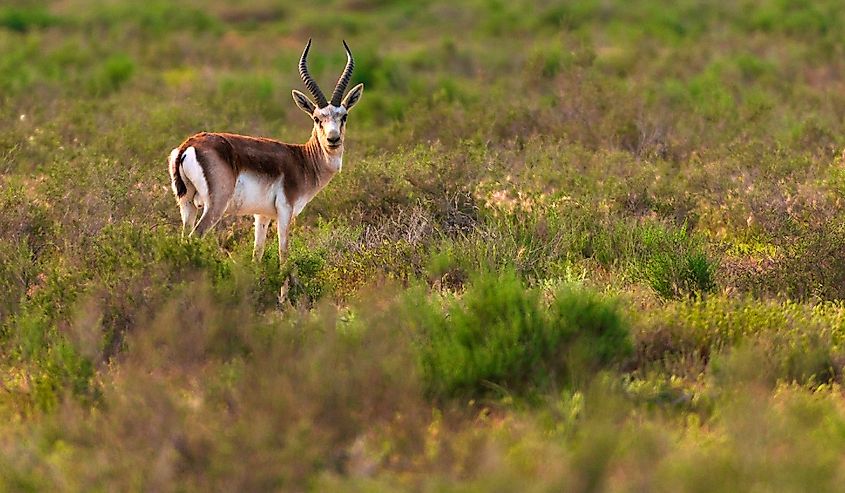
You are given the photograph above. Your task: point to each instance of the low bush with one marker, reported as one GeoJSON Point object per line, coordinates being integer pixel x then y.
{"type": "Point", "coordinates": [112, 74]}
{"type": "Point", "coordinates": [501, 337]}
{"type": "Point", "coordinates": [812, 266]}
{"type": "Point", "coordinates": [209, 392]}
{"type": "Point", "coordinates": [794, 342]}
{"type": "Point", "coordinates": [26, 19]}
{"type": "Point", "coordinates": [673, 262]}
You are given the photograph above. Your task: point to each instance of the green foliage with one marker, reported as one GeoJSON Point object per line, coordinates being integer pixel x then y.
{"type": "Point", "coordinates": [662, 175]}
{"type": "Point", "coordinates": [17, 270]}
{"type": "Point", "coordinates": [796, 343]}
{"type": "Point", "coordinates": [306, 268]}
{"type": "Point", "coordinates": [26, 19]}
{"type": "Point", "coordinates": [113, 73]}
{"type": "Point", "coordinates": [501, 337]}
{"type": "Point", "coordinates": [673, 263]}
{"type": "Point", "coordinates": [600, 334]}
{"type": "Point", "coordinates": [808, 267]}
{"type": "Point", "coordinates": [153, 18]}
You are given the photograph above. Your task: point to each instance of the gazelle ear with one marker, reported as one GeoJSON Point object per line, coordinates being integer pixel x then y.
{"type": "Point", "coordinates": [303, 102]}
{"type": "Point", "coordinates": [353, 96]}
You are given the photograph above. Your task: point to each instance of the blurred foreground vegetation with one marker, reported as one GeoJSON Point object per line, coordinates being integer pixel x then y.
{"type": "Point", "coordinates": [592, 245]}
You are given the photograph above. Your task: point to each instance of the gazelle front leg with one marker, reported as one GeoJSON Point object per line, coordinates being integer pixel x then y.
{"type": "Point", "coordinates": [284, 217]}
{"type": "Point", "coordinates": [262, 224]}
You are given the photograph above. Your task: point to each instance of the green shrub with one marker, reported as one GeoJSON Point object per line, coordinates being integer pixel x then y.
{"type": "Point", "coordinates": [305, 270]}
{"type": "Point", "coordinates": [799, 343]}
{"type": "Point", "coordinates": [17, 273]}
{"type": "Point", "coordinates": [501, 336]}
{"type": "Point", "coordinates": [251, 93]}
{"type": "Point", "coordinates": [599, 333]}
{"type": "Point", "coordinates": [805, 359]}
{"type": "Point", "coordinates": [26, 19]}
{"type": "Point", "coordinates": [674, 263]}
{"type": "Point", "coordinates": [154, 18]}
{"type": "Point", "coordinates": [112, 74]}
{"type": "Point", "coordinates": [811, 267]}
{"type": "Point", "coordinates": [53, 365]}
{"type": "Point", "coordinates": [710, 96]}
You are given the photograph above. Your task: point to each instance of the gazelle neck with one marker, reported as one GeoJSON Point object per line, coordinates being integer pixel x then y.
{"type": "Point", "coordinates": [328, 162]}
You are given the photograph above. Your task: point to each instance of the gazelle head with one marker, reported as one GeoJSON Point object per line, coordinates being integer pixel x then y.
{"type": "Point", "coordinates": [329, 116]}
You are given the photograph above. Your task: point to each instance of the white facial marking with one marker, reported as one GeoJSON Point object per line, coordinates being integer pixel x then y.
{"type": "Point", "coordinates": [332, 129]}
{"type": "Point", "coordinates": [192, 171]}
{"type": "Point", "coordinates": [331, 125]}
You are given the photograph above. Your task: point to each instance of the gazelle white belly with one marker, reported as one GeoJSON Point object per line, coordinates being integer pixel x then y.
{"type": "Point", "coordinates": [255, 194]}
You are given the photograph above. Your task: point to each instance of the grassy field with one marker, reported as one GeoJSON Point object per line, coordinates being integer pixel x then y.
{"type": "Point", "coordinates": [591, 245]}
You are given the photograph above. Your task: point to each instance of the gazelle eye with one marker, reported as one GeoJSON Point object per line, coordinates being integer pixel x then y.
{"type": "Point", "coordinates": [316, 120]}
{"type": "Point", "coordinates": [343, 118]}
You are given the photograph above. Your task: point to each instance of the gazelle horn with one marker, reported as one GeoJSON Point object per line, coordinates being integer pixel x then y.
{"type": "Point", "coordinates": [340, 88]}
{"type": "Point", "coordinates": [308, 80]}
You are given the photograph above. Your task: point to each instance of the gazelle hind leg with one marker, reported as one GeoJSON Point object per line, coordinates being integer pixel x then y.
{"type": "Point", "coordinates": [215, 200]}
{"type": "Point", "coordinates": [189, 216]}
{"type": "Point", "coordinates": [212, 214]}
{"type": "Point", "coordinates": [262, 224]}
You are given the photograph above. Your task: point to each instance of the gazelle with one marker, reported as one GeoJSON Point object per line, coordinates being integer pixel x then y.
{"type": "Point", "coordinates": [240, 175]}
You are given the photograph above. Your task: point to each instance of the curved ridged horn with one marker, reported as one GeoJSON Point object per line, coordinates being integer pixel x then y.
{"type": "Point", "coordinates": [340, 88]}
{"type": "Point", "coordinates": [309, 82]}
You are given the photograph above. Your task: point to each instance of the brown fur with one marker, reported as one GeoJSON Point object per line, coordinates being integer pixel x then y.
{"type": "Point", "coordinates": [277, 180]}
{"type": "Point", "coordinates": [223, 156]}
